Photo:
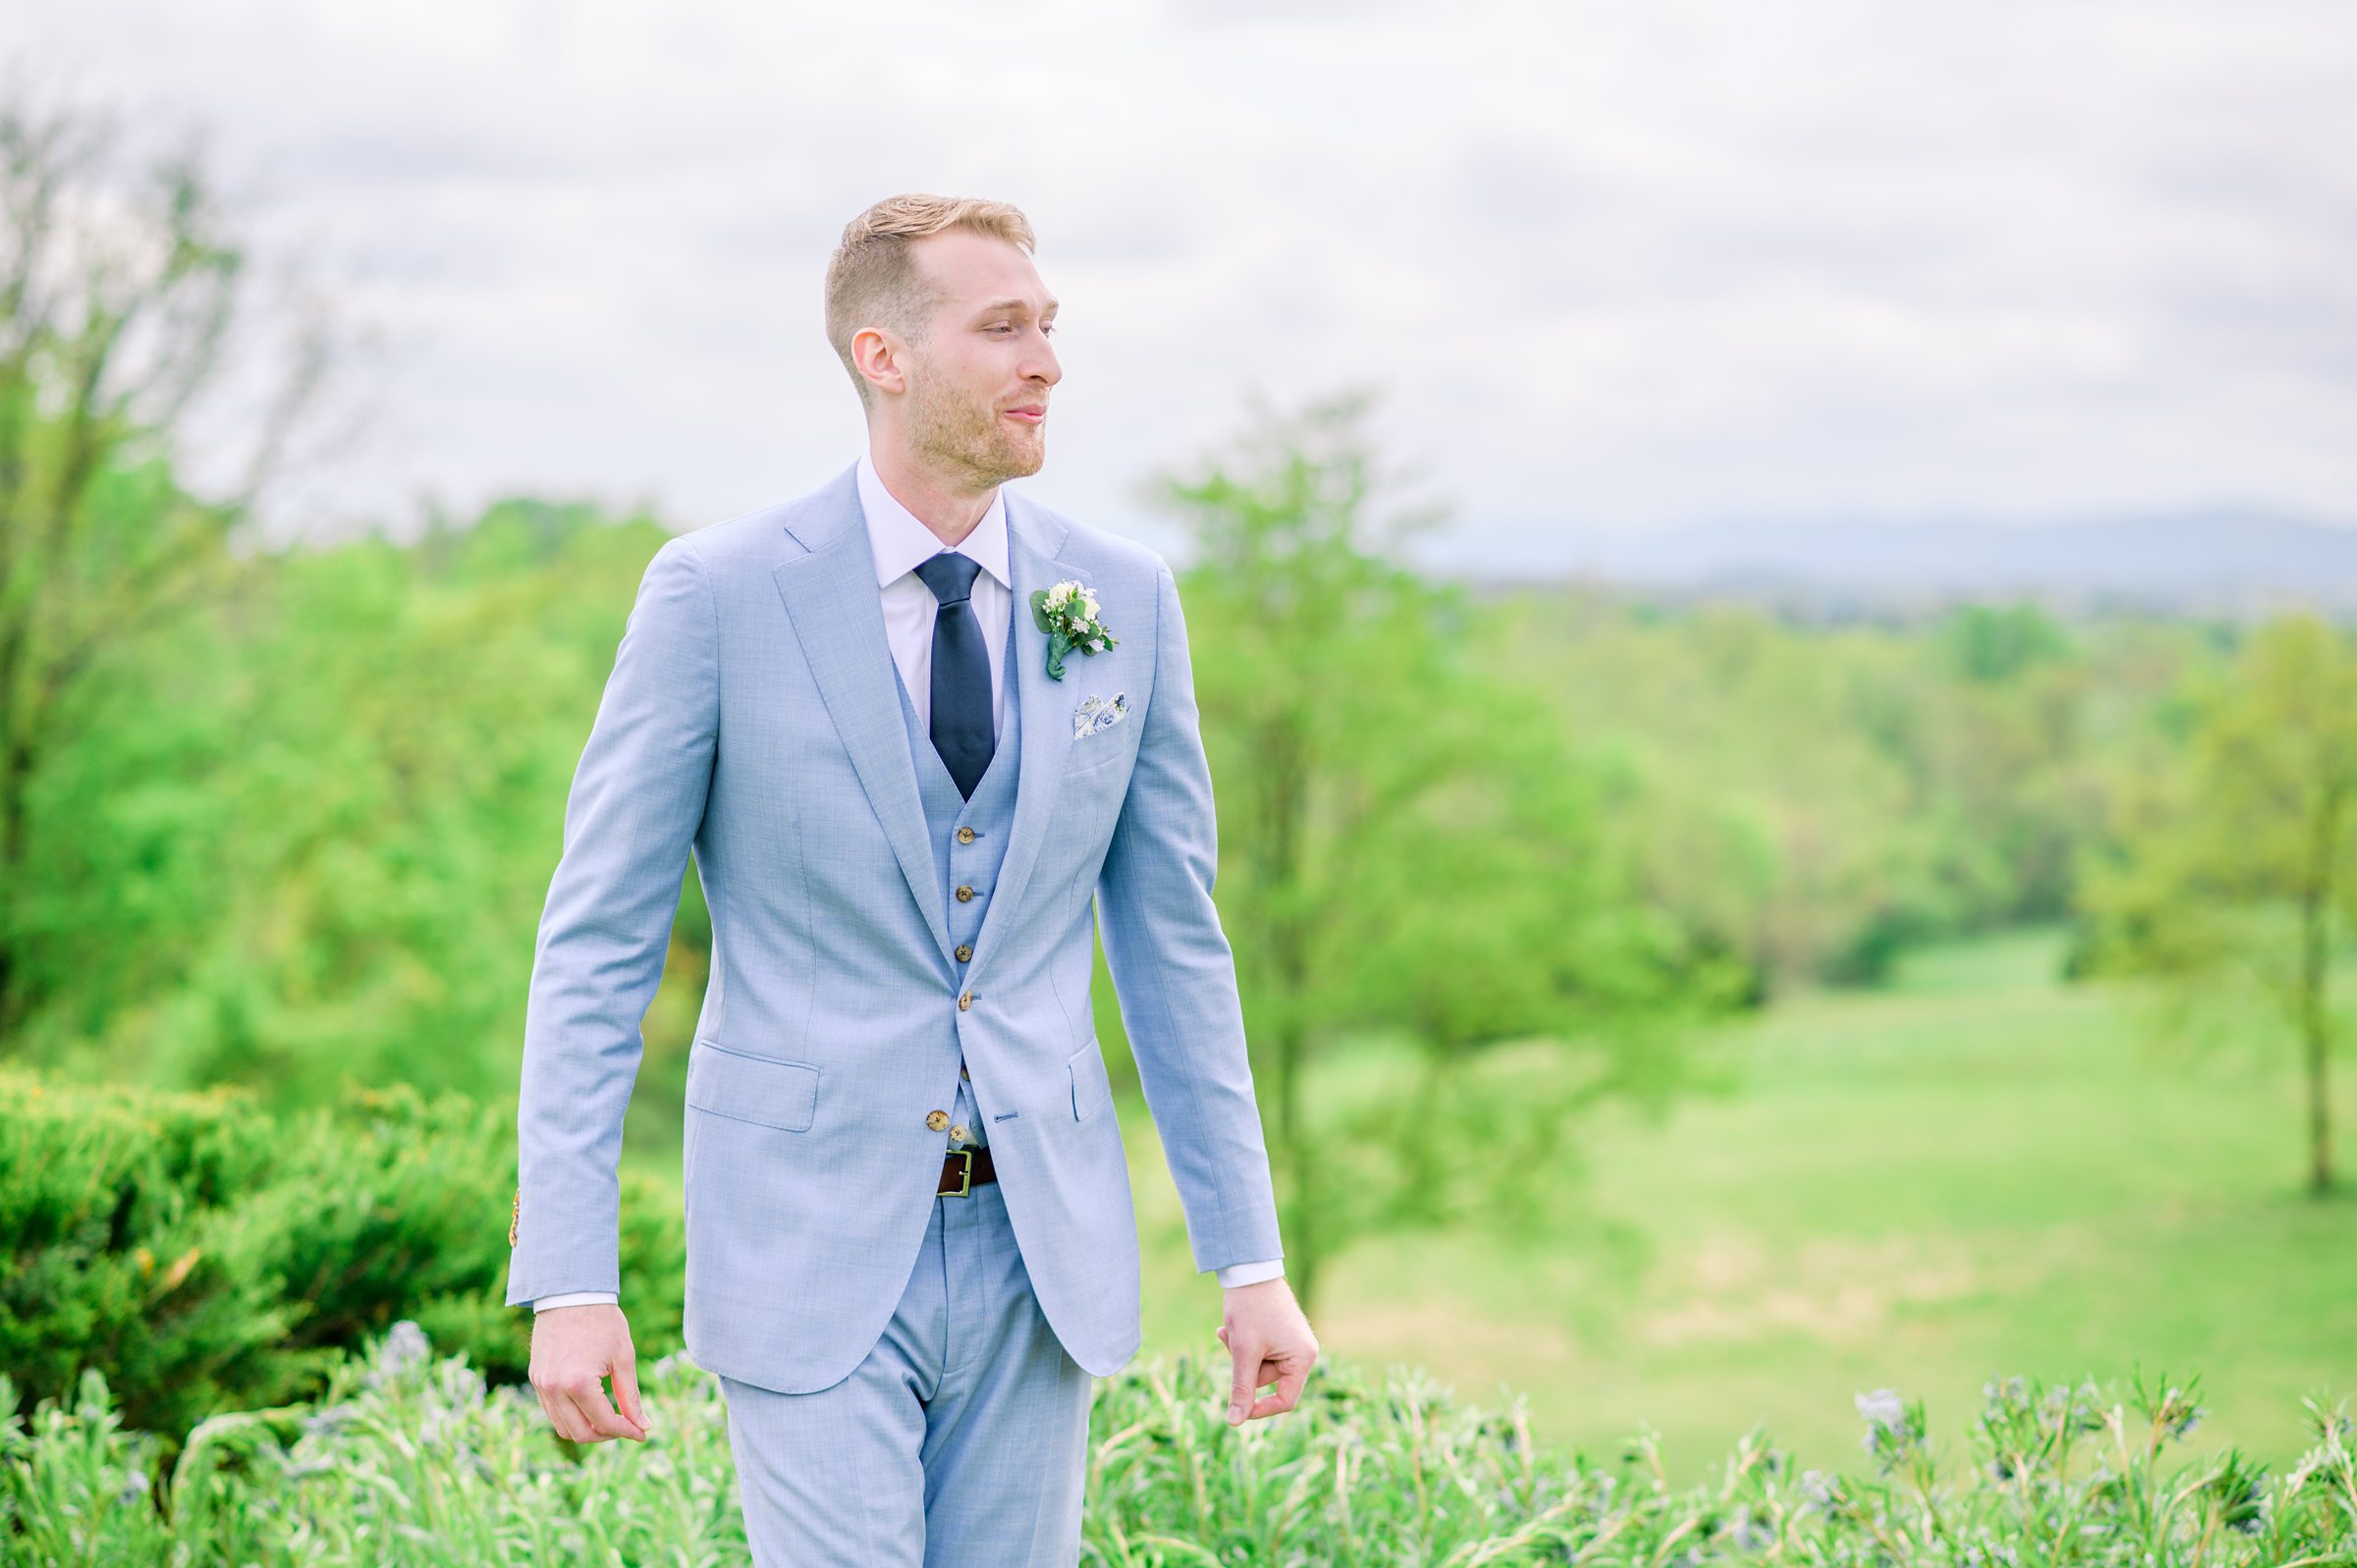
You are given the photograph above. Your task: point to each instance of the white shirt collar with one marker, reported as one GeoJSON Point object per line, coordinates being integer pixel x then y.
{"type": "Point", "coordinates": [902, 542]}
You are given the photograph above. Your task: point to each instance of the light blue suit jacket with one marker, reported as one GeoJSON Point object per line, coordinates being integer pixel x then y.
{"type": "Point", "coordinates": [752, 717]}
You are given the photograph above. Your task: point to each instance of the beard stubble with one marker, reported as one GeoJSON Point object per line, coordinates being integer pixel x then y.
{"type": "Point", "coordinates": [971, 439]}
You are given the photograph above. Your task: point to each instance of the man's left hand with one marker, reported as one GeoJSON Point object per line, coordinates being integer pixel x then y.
{"type": "Point", "coordinates": [1270, 1341]}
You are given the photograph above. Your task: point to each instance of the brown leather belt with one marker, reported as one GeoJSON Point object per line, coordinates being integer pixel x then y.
{"type": "Point", "coordinates": [963, 1170]}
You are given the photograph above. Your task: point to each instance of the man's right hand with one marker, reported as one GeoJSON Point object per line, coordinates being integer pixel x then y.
{"type": "Point", "coordinates": [573, 1349]}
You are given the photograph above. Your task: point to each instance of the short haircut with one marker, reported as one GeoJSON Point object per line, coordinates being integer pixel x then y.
{"type": "Point", "coordinates": [872, 280]}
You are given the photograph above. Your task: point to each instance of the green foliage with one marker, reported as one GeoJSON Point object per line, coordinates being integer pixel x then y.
{"type": "Point", "coordinates": [309, 833]}
{"type": "Point", "coordinates": [127, 1249]}
{"type": "Point", "coordinates": [415, 1459]}
{"type": "Point", "coordinates": [308, 828]}
{"type": "Point", "coordinates": [1816, 801]}
{"type": "Point", "coordinates": [2234, 867]}
{"type": "Point", "coordinates": [1410, 841]}
{"type": "Point", "coordinates": [122, 306]}
{"type": "Point", "coordinates": [1993, 643]}
{"type": "Point", "coordinates": [203, 1255]}
{"type": "Point", "coordinates": [2259, 814]}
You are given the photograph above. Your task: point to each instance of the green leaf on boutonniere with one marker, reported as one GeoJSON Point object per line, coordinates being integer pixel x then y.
{"type": "Point", "coordinates": [1066, 613]}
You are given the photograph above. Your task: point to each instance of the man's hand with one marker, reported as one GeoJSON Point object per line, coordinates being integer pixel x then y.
{"type": "Point", "coordinates": [573, 1349]}
{"type": "Point", "coordinates": [1270, 1340]}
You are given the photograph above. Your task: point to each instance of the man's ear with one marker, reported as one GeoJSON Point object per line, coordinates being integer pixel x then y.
{"type": "Point", "coordinates": [881, 358]}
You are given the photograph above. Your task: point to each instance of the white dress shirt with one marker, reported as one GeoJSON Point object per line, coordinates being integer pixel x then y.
{"type": "Point", "coordinates": [901, 543]}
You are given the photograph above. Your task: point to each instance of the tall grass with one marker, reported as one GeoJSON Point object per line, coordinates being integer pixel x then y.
{"type": "Point", "coordinates": [415, 1459]}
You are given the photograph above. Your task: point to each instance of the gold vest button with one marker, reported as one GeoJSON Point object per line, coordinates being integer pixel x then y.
{"type": "Point", "coordinates": [965, 951]}
{"type": "Point", "coordinates": [965, 895]}
{"type": "Point", "coordinates": [965, 1000]}
{"type": "Point", "coordinates": [965, 836]}
{"type": "Point", "coordinates": [937, 1119]}
{"type": "Point", "coordinates": [957, 1133]}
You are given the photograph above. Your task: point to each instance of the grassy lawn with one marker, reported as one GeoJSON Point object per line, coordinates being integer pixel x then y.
{"type": "Point", "coordinates": [1980, 1170]}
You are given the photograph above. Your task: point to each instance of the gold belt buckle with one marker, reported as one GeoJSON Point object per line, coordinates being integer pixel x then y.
{"type": "Point", "coordinates": [965, 1174]}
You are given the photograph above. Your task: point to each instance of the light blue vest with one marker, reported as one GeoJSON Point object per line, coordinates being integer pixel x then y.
{"type": "Point", "coordinates": [990, 813]}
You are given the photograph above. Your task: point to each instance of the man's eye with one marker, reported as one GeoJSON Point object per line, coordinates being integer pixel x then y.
{"type": "Point", "coordinates": [1047, 329]}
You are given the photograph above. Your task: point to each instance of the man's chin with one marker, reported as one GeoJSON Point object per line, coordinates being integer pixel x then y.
{"type": "Point", "coordinates": [1017, 463]}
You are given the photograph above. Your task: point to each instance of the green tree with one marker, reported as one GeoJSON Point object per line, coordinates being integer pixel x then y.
{"type": "Point", "coordinates": [308, 836]}
{"type": "Point", "coordinates": [2242, 863]}
{"type": "Point", "coordinates": [1410, 848]}
{"type": "Point", "coordinates": [117, 306]}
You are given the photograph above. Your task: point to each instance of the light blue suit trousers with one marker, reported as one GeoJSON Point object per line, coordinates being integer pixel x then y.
{"type": "Point", "coordinates": [960, 1440]}
{"type": "Point", "coordinates": [753, 717]}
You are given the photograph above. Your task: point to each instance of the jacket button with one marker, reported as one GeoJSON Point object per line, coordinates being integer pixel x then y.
{"type": "Point", "coordinates": [965, 1000]}
{"type": "Point", "coordinates": [965, 894]}
{"type": "Point", "coordinates": [965, 951]}
{"type": "Point", "coordinates": [937, 1119]}
{"type": "Point", "coordinates": [965, 836]}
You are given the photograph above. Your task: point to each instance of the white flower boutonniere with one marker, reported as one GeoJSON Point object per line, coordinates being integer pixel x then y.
{"type": "Point", "coordinates": [1067, 614]}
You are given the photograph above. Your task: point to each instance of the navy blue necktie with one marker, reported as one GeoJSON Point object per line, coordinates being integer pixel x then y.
{"type": "Point", "coordinates": [961, 717]}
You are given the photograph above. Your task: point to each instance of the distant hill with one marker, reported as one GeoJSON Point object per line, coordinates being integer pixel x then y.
{"type": "Point", "coordinates": [2214, 562]}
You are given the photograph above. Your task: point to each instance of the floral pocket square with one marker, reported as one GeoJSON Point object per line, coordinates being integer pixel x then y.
{"type": "Point", "coordinates": [1100, 713]}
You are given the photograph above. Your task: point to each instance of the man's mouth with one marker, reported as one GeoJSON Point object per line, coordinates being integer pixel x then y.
{"type": "Point", "coordinates": [1029, 413]}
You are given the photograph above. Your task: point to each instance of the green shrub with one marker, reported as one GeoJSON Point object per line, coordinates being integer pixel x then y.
{"type": "Point", "coordinates": [414, 1459]}
{"type": "Point", "coordinates": [206, 1258]}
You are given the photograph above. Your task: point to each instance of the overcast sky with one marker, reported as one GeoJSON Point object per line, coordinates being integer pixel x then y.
{"type": "Point", "coordinates": [1617, 266]}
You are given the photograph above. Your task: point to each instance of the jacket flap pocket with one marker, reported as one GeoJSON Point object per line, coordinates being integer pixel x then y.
{"type": "Point", "coordinates": [763, 1089]}
{"type": "Point", "coordinates": [1091, 1088]}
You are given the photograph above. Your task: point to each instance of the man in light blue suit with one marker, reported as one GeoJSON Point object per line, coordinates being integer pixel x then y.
{"type": "Point", "coordinates": [912, 726]}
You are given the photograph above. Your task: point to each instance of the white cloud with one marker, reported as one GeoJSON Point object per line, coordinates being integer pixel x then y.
{"type": "Point", "coordinates": [1618, 264]}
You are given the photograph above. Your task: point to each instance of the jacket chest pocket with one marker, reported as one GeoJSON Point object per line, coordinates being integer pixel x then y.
{"type": "Point", "coordinates": [1103, 749]}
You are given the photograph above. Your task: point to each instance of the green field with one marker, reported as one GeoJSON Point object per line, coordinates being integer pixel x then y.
{"type": "Point", "coordinates": [1980, 1170]}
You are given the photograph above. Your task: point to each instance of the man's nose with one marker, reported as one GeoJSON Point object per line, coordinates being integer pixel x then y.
{"type": "Point", "coordinates": [1044, 365]}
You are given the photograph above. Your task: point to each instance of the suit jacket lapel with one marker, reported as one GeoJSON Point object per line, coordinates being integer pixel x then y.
{"type": "Point", "coordinates": [1046, 722]}
{"type": "Point", "coordinates": [832, 599]}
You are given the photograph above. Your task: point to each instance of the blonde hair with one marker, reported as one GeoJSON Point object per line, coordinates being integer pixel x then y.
{"type": "Point", "coordinates": [872, 280]}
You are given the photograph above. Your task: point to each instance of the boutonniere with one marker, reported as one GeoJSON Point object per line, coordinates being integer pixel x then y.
{"type": "Point", "coordinates": [1067, 614]}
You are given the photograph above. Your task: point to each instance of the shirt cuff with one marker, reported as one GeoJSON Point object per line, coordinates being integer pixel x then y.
{"type": "Point", "coordinates": [1250, 1273]}
{"type": "Point", "coordinates": [576, 1298]}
